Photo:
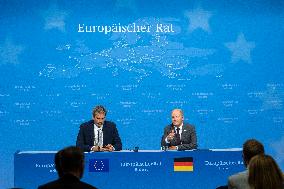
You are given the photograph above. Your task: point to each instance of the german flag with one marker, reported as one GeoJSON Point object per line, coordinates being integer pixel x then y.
{"type": "Point", "coordinates": [183, 164]}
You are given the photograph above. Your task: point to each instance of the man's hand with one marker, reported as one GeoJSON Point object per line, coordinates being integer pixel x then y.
{"type": "Point", "coordinates": [171, 135]}
{"type": "Point", "coordinates": [108, 148]}
{"type": "Point", "coordinates": [96, 149]}
{"type": "Point", "coordinates": [172, 148]}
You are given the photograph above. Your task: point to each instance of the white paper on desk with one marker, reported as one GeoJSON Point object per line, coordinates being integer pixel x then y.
{"type": "Point", "coordinates": [227, 149]}
{"type": "Point", "coordinates": [37, 152]}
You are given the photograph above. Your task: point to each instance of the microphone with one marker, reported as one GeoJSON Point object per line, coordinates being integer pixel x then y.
{"type": "Point", "coordinates": [136, 149]}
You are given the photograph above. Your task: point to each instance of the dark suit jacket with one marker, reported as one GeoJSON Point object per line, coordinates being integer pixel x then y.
{"type": "Point", "coordinates": [85, 138]}
{"type": "Point", "coordinates": [188, 137]}
{"type": "Point", "coordinates": [67, 181]}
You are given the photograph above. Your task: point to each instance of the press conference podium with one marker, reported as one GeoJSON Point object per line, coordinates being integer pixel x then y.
{"type": "Point", "coordinates": [145, 169]}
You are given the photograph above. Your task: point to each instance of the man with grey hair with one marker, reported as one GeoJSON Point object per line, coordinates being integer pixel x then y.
{"type": "Point", "coordinates": [179, 135]}
{"type": "Point", "coordinates": [98, 134]}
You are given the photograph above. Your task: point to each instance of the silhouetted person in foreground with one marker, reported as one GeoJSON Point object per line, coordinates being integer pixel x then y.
{"type": "Point", "coordinates": [251, 148]}
{"type": "Point", "coordinates": [69, 164]}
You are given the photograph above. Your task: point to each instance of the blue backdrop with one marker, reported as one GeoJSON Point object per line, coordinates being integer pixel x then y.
{"type": "Point", "coordinates": [220, 61]}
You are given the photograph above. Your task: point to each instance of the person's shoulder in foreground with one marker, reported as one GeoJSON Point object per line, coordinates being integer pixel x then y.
{"type": "Point", "coordinates": [239, 181]}
{"type": "Point", "coordinates": [67, 182]}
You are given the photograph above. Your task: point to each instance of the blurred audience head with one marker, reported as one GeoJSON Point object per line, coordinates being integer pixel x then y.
{"type": "Point", "coordinates": [264, 173]}
{"type": "Point", "coordinates": [251, 148]}
{"type": "Point", "coordinates": [70, 160]}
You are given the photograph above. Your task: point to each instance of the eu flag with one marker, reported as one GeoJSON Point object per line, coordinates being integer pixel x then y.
{"type": "Point", "coordinates": [99, 165]}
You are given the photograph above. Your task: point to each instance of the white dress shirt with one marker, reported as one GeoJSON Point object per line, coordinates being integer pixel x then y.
{"type": "Point", "coordinates": [99, 136]}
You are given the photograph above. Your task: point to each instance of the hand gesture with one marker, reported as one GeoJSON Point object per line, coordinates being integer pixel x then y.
{"type": "Point", "coordinates": [171, 135]}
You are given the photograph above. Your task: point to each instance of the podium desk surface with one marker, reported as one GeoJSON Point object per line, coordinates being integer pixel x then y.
{"type": "Point", "coordinates": [200, 169]}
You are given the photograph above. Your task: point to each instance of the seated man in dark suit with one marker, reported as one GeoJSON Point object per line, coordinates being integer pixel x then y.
{"type": "Point", "coordinates": [98, 134]}
{"type": "Point", "coordinates": [179, 135]}
{"type": "Point", "coordinates": [69, 163]}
